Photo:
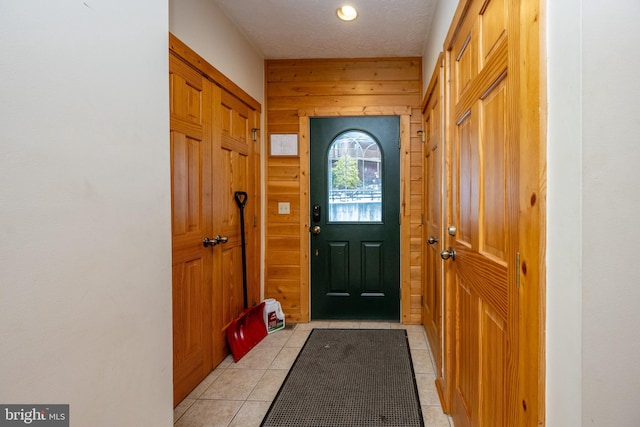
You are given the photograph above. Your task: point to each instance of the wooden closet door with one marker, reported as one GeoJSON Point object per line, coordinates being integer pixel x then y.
{"type": "Point", "coordinates": [191, 151]}
{"type": "Point", "coordinates": [485, 191]}
{"type": "Point", "coordinates": [214, 153]}
{"type": "Point", "coordinates": [234, 170]}
{"type": "Point", "coordinates": [432, 310]}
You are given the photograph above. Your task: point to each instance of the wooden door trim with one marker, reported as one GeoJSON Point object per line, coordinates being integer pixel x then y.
{"type": "Point", "coordinates": [434, 79]}
{"type": "Point", "coordinates": [305, 238]}
{"type": "Point", "coordinates": [529, 64]}
{"type": "Point", "coordinates": [354, 111]}
{"type": "Point", "coordinates": [405, 212]}
{"type": "Point", "coordinates": [457, 23]}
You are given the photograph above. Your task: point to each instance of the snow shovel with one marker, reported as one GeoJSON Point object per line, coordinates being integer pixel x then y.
{"type": "Point", "coordinates": [248, 329]}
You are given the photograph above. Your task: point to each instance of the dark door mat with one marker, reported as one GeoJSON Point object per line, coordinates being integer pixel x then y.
{"type": "Point", "coordinates": [349, 378]}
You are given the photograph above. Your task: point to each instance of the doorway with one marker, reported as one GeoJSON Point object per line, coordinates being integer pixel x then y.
{"type": "Point", "coordinates": [355, 211]}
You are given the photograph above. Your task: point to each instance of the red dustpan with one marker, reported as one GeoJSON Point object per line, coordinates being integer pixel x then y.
{"type": "Point", "coordinates": [248, 329]}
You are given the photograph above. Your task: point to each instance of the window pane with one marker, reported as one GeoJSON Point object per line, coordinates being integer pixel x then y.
{"type": "Point", "coordinates": [354, 181]}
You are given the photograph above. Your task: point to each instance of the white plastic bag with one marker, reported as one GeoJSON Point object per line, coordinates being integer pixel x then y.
{"type": "Point", "coordinates": [273, 315]}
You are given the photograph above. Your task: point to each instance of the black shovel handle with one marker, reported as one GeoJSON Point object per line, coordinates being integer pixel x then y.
{"type": "Point", "coordinates": [241, 198]}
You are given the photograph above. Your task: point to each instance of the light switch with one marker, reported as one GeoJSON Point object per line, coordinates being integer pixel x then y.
{"type": "Point", "coordinates": [284, 208]}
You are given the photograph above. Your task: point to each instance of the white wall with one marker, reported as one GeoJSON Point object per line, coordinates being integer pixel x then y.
{"type": "Point", "coordinates": [205, 29]}
{"type": "Point", "coordinates": [611, 202]}
{"type": "Point", "coordinates": [442, 16]}
{"type": "Point", "coordinates": [593, 339]}
{"type": "Point", "coordinates": [564, 215]}
{"type": "Point", "coordinates": [85, 260]}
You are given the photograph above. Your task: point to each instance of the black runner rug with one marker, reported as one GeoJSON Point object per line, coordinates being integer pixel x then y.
{"type": "Point", "coordinates": [349, 378]}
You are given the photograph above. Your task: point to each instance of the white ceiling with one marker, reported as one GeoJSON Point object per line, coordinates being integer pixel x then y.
{"type": "Point", "coordinates": [285, 29]}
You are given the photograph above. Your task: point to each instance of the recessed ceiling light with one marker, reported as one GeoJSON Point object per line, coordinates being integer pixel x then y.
{"type": "Point", "coordinates": [347, 13]}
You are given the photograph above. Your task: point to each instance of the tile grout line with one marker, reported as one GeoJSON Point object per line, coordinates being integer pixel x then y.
{"type": "Point", "coordinates": [281, 348]}
{"type": "Point", "coordinates": [258, 382]}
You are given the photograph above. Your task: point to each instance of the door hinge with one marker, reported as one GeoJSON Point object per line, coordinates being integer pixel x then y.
{"type": "Point", "coordinates": [517, 270]}
{"type": "Point", "coordinates": [255, 221]}
{"type": "Point", "coordinates": [421, 219]}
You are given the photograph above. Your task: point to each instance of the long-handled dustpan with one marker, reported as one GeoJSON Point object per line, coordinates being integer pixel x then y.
{"type": "Point", "coordinates": [248, 329]}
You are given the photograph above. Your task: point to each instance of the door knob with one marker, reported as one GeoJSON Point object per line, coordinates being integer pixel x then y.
{"type": "Point", "coordinates": [431, 240]}
{"type": "Point", "coordinates": [206, 242]}
{"type": "Point", "coordinates": [316, 229]}
{"type": "Point", "coordinates": [448, 253]}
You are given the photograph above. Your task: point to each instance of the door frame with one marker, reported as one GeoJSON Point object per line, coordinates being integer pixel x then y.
{"type": "Point", "coordinates": [405, 224]}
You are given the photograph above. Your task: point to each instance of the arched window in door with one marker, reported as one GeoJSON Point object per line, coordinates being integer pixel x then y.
{"type": "Point", "coordinates": [354, 178]}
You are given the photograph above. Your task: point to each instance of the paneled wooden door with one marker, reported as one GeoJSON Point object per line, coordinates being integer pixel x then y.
{"type": "Point", "coordinates": [192, 221]}
{"type": "Point", "coordinates": [433, 295]}
{"type": "Point", "coordinates": [355, 208]}
{"type": "Point", "coordinates": [485, 207]}
{"type": "Point", "coordinates": [213, 155]}
{"type": "Point", "coordinates": [235, 169]}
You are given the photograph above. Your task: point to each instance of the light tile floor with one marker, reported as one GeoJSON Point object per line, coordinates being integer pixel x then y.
{"type": "Point", "coordinates": [239, 394]}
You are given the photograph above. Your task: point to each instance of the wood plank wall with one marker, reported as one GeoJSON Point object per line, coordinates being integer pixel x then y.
{"type": "Point", "coordinates": [298, 89]}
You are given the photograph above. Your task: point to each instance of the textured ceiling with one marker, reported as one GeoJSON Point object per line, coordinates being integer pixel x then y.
{"type": "Point", "coordinates": [283, 29]}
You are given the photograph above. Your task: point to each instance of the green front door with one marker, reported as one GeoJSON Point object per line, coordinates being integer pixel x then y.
{"type": "Point", "coordinates": [355, 211]}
